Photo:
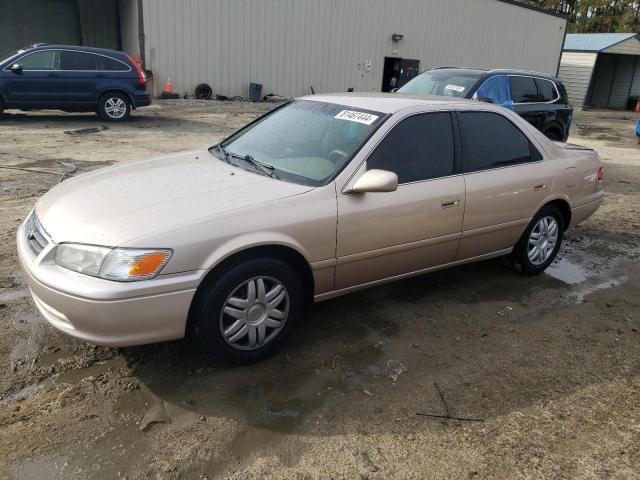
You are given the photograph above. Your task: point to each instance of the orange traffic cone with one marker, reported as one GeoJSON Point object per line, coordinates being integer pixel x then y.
{"type": "Point", "coordinates": [637, 109]}
{"type": "Point", "coordinates": [167, 92]}
{"type": "Point", "coordinates": [168, 87]}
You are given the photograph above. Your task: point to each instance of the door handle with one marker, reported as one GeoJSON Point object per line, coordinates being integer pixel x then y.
{"type": "Point", "coordinates": [101, 75]}
{"type": "Point", "coordinates": [54, 75]}
{"type": "Point", "coordinates": [450, 202]}
{"type": "Point", "coordinates": [540, 186]}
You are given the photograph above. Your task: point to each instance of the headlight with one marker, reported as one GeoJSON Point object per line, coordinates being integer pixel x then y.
{"type": "Point", "coordinates": [120, 264]}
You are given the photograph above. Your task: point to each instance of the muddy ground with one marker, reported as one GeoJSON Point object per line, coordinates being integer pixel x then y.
{"type": "Point", "coordinates": [544, 371]}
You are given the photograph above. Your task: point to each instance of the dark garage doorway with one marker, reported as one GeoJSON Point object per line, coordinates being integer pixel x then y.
{"type": "Point", "coordinates": [397, 72]}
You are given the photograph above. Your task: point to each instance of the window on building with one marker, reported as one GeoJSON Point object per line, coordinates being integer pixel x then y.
{"type": "Point", "coordinates": [420, 147]}
{"type": "Point", "coordinates": [523, 90]}
{"type": "Point", "coordinates": [490, 140]}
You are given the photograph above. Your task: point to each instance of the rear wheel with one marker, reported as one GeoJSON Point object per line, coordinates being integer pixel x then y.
{"type": "Point", "coordinates": [114, 107]}
{"type": "Point", "coordinates": [540, 242]}
{"type": "Point", "coordinates": [246, 314]}
{"type": "Point", "coordinates": [1, 106]}
{"type": "Point", "coordinates": [553, 135]}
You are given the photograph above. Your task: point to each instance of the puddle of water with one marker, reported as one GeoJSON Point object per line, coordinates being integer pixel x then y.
{"type": "Point", "coordinates": [566, 271]}
{"type": "Point", "coordinates": [589, 289]}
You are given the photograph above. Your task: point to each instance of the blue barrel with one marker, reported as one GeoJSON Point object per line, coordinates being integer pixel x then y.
{"type": "Point", "coordinates": [255, 92]}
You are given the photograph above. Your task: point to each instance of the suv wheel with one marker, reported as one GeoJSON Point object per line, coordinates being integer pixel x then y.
{"type": "Point", "coordinates": [553, 135]}
{"type": "Point", "coordinates": [540, 242]}
{"type": "Point", "coordinates": [1, 106]}
{"type": "Point", "coordinates": [246, 314]}
{"type": "Point", "coordinates": [114, 107]}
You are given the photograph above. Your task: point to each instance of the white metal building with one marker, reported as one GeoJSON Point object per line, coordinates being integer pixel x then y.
{"type": "Point", "coordinates": [291, 45]}
{"type": "Point", "coordinates": [601, 69]}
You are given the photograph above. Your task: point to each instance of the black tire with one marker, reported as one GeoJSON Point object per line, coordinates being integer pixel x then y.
{"type": "Point", "coordinates": [207, 320]}
{"type": "Point", "coordinates": [519, 258]}
{"type": "Point", "coordinates": [1, 107]}
{"type": "Point", "coordinates": [203, 91]}
{"type": "Point", "coordinates": [553, 135]}
{"type": "Point", "coordinates": [114, 107]}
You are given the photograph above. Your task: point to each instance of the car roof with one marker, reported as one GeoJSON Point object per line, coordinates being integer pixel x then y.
{"type": "Point", "coordinates": [46, 46]}
{"type": "Point", "coordinates": [386, 102]}
{"type": "Point", "coordinates": [497, 71]}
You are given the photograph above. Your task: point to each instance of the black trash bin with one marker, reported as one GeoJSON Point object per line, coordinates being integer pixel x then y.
{"type": "Point", "coordinates": [255, 92]}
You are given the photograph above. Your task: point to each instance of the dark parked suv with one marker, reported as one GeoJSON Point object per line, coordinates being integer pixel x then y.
{"type": "Point", "coordinates": [76, 79]}
{"type": "Point", "coordinates": [539, 98]}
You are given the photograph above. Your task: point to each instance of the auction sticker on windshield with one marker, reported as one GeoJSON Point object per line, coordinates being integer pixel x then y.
{"type": "Point", "coordinates": [455, 88]}
{"type": "Point", "coordinates": [359, 117]}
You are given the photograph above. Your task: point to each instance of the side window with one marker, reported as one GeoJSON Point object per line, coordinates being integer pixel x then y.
{"type": "Point", "coordinates": [546, 90]}
{"type": "Point", "coordinates": [43, 60]}
{"type": "Point", "coordinates": [497, 89]}
{"type": "Point", "coordinates": [72, 60]}
{"type": "Point", "coordinates": [418, 148]}
{"type": "Point", "coordinates": [490, 140]}
{"type": "Point", "coordinates": [523, 90]}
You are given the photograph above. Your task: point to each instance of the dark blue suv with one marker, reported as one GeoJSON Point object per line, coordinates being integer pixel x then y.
{"type": "Point", "coordinates": [73, 79]}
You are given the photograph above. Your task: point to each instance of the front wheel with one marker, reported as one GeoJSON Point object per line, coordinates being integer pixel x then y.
{"type": "Point", "coordinates": [114, 107]}
{"type": "Point", "coordinates": [246, 314]}
{"type": "Point", "coordinates": [540, 242]}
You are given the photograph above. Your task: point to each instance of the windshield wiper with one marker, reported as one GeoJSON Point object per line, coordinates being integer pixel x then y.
{"type": "Point", "coordinates": [263, 167]}
{"type": "Point", "coordinates": [222, 150]}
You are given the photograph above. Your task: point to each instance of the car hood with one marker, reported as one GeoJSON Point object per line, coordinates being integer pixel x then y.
{"type": "Point", "coordinates": [118, 204]}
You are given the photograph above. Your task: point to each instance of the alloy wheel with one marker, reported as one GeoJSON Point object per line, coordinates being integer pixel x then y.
{"type": "Point", "coordinates": [115, 107]}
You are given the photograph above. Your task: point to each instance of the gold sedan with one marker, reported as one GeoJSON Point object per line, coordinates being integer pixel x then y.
{"type": "Point", "coordinates": [323, 196]}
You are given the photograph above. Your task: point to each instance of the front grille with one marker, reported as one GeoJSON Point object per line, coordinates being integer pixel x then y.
{"type": "Point", "coordinates": [36, 235]}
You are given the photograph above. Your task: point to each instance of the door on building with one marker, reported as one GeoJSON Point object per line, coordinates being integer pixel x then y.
{"type": "Point", "coordinates": [397, 72]}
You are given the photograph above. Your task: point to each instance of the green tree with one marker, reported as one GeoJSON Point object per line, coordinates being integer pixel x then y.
{"type": "Point", "coordinates": [590, 16]}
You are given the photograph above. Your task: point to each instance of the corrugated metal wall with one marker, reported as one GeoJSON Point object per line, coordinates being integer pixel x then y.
{"type": "Point", "coordinates": [99, 23]}
{"type": "Point", "coordinates": [576, 69]}
{"type": "Point", "coordinates": [288, 45]}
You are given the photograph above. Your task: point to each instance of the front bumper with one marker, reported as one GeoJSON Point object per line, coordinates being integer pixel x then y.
{"type": "Point", "coordinates": [104, 312]}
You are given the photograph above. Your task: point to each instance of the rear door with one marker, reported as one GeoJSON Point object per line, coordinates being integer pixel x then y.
{"type": "Point", "coordinates": [527, 101]}
{"type": "Point", "coordinates": [381, 235]}
{"type": "Point", "coordinates": [39, 83]}
{"type": "Point", "coordinates": [506, 180]}
{"type": "Point", "coordinates": [87, 75]}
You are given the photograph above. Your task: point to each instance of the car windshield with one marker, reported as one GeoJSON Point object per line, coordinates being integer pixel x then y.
{"type": "Point", "coordinates": [304, 141]}
{"type": "Point", "coordinates": [444, 83]}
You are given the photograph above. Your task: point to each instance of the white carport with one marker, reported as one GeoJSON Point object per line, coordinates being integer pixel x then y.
{"type": "Point", "coordinates": [601, 69]}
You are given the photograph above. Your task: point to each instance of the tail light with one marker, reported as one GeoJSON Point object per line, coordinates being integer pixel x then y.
{"type": "Point", "coordinates": [142, 79]}
{"type": "Point", "coordinates": [600, 173]}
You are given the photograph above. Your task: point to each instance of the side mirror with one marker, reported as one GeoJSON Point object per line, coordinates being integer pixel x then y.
{"type": "Point", "coordinates": [485, 99]}
{"type": "Point", "coordinates": [376, 181]}
{"type": "Point", "coordinates": [16, 68]}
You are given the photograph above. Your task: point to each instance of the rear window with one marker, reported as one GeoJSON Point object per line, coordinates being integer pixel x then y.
{"type": "Point", "coordinates": [490, 141]}
{"type": "Point", "coordinates": [546, 90]}
{"type": "Point", "coordinates": [83, 61]}
{"type": "Point", "coordinates": [523, 89]}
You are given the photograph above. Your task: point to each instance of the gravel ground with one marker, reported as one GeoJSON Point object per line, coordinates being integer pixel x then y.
{"type": "Point", "coordinates": [544, 373]}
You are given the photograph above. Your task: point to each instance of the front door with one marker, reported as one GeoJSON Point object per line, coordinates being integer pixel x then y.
{"type": "Point", "coordinates": [39, 83]}
{"type": "Point", "coordinates": [506, 181]}
{"type": "Point", "coordinates": [382, 235]}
